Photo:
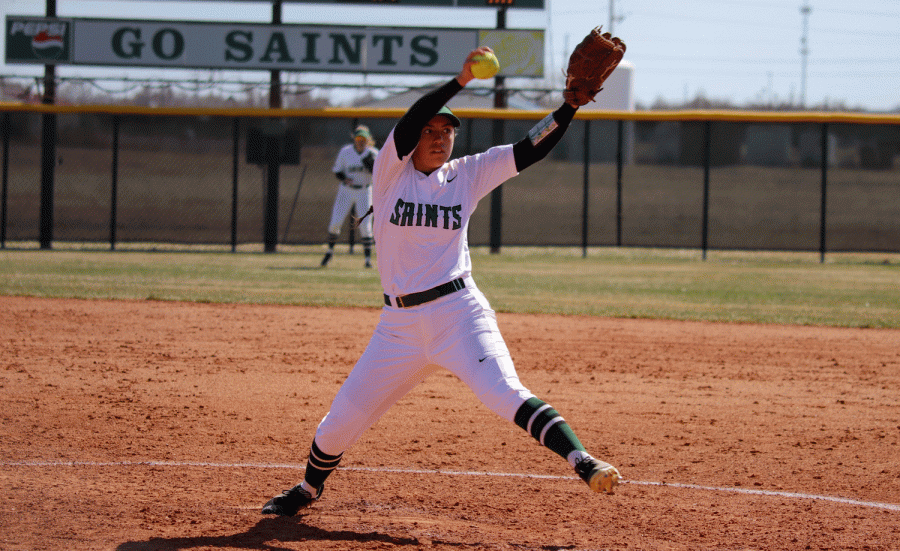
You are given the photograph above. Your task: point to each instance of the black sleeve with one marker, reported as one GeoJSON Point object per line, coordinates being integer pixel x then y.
{"type": "Point", "coordinates": [409, 128]}
{"type": "Point", "coordinates": [543, 137]}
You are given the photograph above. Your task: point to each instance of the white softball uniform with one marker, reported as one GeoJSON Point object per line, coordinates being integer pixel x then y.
{"type": "Point", "coordinates": [355, 190]}
{"type": "Point", "coordinates": [421, 224]}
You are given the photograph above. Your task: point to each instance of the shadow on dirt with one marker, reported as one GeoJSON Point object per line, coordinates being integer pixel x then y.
{"type": "Point", "coordinates": [265, 535]}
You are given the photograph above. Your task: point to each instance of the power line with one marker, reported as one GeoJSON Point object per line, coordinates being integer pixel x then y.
{"type": "Point", "coordinates": [868, 13]}
{"type": "Point", "coordinates": [788, 6]}
{"type": "Point", "coordinates": [764, 61]}
{"type": "Point", "coordinates": [692, 17]}
{"type": "Point", "coordinates": [852, 32]}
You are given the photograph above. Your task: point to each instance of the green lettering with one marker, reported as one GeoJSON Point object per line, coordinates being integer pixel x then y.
{"type": "Point", "coordinates": [277, 45]}
{"type": "Point", "coordinates": [239, 46]}
{"type": "Point", "coordinates": [446, 211]}
{"type": "Point", "coordinates": [177, 44]}
{"type": "Point", "coordinates": [426, 46]}
{"type": "Point", "coordinates": [387, 49]}
{"type": "Point", "coordinates": [431, 214]}
{"type": "Point", "coordinates": [395, 218]}
{"type": "Point", "coordinates": [311, 39]}
{"type": "Point", "coordinates": [134, 46]}
{"type": "Point", "coordinates": [352, 53]}
{"type": "Point", "coordinates": [409, 211]}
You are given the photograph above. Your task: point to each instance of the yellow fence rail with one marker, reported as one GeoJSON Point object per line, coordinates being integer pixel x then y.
{"type": "Point", "coordinates": [473, 113]}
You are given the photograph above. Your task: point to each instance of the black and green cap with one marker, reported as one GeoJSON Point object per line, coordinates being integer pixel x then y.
{"type": "Point", "coordinates": [362, 130]}
{"type": "Point", "coordinates": [445, 111]}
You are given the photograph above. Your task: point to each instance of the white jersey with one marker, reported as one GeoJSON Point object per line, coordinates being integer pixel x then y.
{"type": "Point", "coordinates": [422, 221]}
{"type": "Point", "coordinates": [349, 161]}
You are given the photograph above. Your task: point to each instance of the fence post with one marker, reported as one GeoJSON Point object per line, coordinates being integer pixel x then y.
{"type": "Point", "coordinates": [273, 161]}
{"type": "Point", "coordinates": [586, 191]}
{"type": "Point", "coordinates": [496, 236]}
{"type": "Point", "coordinates": [500, 102]}
{"type": "Point", "coordinates": [114, 185]}
{"type": "Point", "coordinates": [48, 168]}
{"type": "Point", "coordinates": [823, 218]}
{"type": "Point", "coordinates": [4, 193]}
{"type": "Point", "coordinates": [707, 146]}
{"type": "Point", "coordinates": [619, 161]}
{"type": "Point", "coordinates": [235, 159]}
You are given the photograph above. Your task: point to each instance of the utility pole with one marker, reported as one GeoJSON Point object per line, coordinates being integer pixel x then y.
{"type": "Point", "coordinates": [613, 18]}
{"type": "Point", "coordinates": [805, 10]}
{"type": "Point", "coordinates": [612, 15]}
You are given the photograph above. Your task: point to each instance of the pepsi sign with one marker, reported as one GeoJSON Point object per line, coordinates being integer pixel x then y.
{"type": "Point", "coordinates": [37, 40]}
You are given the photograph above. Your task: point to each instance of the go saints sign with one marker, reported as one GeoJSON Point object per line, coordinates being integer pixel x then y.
{"type": "Point", "coordinates": [259, 46]}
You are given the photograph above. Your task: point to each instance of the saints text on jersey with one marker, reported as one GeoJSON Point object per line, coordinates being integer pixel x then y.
{"type": "Point", "coordinates": [419, 214]}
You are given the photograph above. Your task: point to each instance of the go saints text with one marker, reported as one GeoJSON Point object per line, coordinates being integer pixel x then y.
{"type": "Point", "coordinates": [424, 214]}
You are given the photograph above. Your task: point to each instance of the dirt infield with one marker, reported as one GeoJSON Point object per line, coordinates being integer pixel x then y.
{"type": "Point", "coordinates": [153, 425]}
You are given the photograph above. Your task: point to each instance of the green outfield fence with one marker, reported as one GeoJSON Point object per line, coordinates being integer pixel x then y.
{"type": "Point", "coordinates": [799, 181]}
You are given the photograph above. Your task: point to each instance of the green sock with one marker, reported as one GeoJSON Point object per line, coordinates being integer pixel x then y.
{"type": "Point", "coordinates": [548, 427]}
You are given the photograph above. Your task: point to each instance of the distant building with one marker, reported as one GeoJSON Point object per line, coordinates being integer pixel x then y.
{"type": "Point", "coordinates": [618, 90]}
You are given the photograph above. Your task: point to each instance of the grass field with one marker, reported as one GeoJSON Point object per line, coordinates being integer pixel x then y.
{"type": "Point", "coordinates": [848, 290]}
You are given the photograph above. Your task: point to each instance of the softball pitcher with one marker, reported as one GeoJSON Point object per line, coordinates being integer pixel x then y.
{"type": "Point", "coordinates": [434, 315]}
{"type": "Point", "coordinates": [353, 167]}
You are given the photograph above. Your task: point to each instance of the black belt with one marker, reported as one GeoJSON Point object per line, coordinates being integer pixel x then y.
{"type": "Point", "coordinates": [415, 299]}
{"type": "Point", "coordinates": [351, 186]}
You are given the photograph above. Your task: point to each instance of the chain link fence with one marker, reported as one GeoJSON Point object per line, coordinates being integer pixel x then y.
{"type": "Point", "coordinates": [649, 180]}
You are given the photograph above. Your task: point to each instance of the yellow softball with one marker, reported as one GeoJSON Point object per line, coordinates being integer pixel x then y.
{"type": "Point", "coordinates": [485, 65]}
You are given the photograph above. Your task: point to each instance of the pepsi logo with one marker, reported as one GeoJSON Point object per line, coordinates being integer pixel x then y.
{"type": "Point", "coordinates": [46, 45]}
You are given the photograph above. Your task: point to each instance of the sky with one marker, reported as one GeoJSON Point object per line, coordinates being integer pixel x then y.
{"type": "Point", "coordinates": [740, 51]}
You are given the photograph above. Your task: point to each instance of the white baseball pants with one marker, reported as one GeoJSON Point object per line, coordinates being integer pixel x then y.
{"type": "Point", "coordinates": [457, 332]}
{"type": "Point", "coordinates": [345, 198]}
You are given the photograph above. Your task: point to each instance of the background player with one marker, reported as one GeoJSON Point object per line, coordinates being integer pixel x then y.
{"type": "Point", "coordinates": [434, 315]}
{"type": "Point", "coordinates": [353, 167]}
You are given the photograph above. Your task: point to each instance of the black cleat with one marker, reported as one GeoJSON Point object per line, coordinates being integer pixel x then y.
{"type": "Point", "coordinates": [326, 259]}
{"type": "Point", "coordinates": [288, 502]}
